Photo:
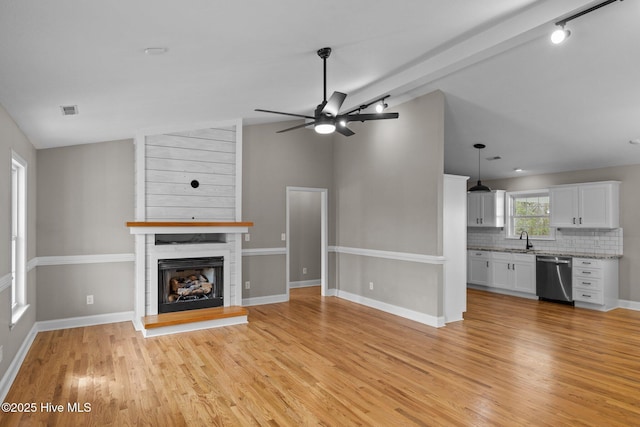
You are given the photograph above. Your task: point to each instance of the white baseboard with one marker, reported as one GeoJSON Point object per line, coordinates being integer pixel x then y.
{"type": "Point", "coordinates": [416, 316]}
{"type": "Point", "coordinates": [271, 299]}
{"type": "Point", "coordinates": [16, 363]}
{"type": "Point", "coordinates": [304, 283]}
{"type": "Point", "coordinates": [331, 292]}
{"type": "Point", "coordinates": [79, 322]}
{"type": "Point", "coordinates": [629, 305]}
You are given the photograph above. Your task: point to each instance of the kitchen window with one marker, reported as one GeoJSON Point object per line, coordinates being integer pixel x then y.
{"type": "Point", "coordinates": [529, 211]}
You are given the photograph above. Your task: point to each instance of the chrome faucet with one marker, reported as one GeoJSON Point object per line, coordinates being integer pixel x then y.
{"type": "Point", "coordinates": [529, 245]}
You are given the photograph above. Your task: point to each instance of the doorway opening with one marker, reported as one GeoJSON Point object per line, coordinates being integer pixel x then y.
{"type": "Point", "coordinates": [306, 238]}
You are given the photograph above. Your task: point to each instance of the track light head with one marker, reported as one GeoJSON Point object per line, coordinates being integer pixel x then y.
{"type": "Point", "coordinates": [560, 35]}
{"type": "Point", "coordinates": [380, 106]}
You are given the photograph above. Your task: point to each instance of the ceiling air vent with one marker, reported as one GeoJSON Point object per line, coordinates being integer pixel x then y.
{"type": "Point", "coordinates": [69, 110]}
{"type": "Point", "coordinates": [494, 158]}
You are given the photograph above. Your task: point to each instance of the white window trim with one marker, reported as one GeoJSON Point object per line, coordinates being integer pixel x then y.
{"type": "Point", "coordinates": [509, 214]}
{"type": "Point", "coordinates": [20, 284]}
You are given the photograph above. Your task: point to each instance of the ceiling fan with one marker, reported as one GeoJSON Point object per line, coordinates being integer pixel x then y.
{"type": "Point", "coordinates": [327, 117]}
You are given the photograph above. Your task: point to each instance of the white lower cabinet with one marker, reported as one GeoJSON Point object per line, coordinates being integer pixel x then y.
{"type": "Point", "coordinates": [595, 282]}
{"type": "Point", "coordinates": [478, 267]}
{"type": "Point", "coordinates": [503, 270]}
{"type": "Point", "coordinates": [514, 271]}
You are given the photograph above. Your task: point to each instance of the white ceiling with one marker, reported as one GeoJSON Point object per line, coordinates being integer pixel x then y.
{"type": "Point", "coordinates": [541, 107]}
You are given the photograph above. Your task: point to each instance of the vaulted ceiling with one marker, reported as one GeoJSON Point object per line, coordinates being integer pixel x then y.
{"type": "Point", "coordinates": [540, 107]}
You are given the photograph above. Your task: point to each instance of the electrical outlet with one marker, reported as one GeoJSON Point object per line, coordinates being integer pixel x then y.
{"type": "Point", "coordinates": [247, 285]}
{"type": "Point", "coordinates": [283, 237]}
{"type": "Point", "coordinates": [304, 270]}
{"type": "Point", "coordinates": [89, 299]}
{"type": "Point", "coordinates": [370, 286]}
{"type": "Point", "coordinates": [247, 237]}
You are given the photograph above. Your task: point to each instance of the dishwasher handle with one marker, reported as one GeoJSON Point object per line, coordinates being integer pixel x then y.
{"type": "Point", "coordinates": [554, 261]}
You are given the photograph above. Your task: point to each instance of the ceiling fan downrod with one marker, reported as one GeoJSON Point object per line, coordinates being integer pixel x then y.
{"type": "Point", "coordinates": [324, 54]}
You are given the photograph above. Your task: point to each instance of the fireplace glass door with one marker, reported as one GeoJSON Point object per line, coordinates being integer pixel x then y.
{"type": "Point", "coordinates": [190, 283]}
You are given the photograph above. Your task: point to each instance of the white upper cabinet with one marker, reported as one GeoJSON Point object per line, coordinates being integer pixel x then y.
{"type": "Point", "coordinates": [588, 205]}
{"type": "Point", "coordinates": [485, 209]}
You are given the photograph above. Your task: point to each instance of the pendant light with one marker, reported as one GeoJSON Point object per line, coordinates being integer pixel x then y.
{"type": "Point", "coordinates": [479, 187]}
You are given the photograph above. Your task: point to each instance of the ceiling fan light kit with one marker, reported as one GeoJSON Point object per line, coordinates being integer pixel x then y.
{"type": "Point", "coordinates": [327, 113]}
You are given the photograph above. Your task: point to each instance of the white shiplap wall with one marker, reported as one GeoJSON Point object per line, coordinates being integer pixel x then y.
{"type": "Point", "coordinates": [172, 161]}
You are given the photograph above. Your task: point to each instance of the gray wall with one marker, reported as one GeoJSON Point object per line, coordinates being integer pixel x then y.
{"type": "Point", "coordinates": [629, 208]}
{"type": "Point", "coordinates": [85, 197]}
{"type": "Point", "coordinates": [304, 229]}
{"type": "Point", "coordinates": [11, 138]}
{"type": "Point", "coordinates": [271, 162]}
{"type": "Point", "coordinates": [388, 185]}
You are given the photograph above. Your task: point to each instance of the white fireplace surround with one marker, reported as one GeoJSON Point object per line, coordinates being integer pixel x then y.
{"type": "Point", "coordinates": [169, 162]}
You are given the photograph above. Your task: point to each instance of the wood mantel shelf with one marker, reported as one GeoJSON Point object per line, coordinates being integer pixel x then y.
{"type": "Point", "coordinates": [187, 227]}
{"type": "Point", "coordinates": [188, 224]}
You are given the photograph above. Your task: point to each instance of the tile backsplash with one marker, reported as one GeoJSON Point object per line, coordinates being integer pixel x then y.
{"type": "Point", "coordinates": [569, 241]}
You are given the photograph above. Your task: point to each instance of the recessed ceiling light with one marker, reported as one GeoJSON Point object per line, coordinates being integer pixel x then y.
{"type": "Point", "coordinates": [518, 170]}
{"type": "Point", "coordinates": [635, 141]}
{"type": "Point", "coordinates": [155, 50]}
{"type": "Point", "coordinates": [494, 158]}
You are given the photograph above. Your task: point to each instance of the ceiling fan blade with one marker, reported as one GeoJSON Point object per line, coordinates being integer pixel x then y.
{"type": "Point", "coordinates": [285, 114]}
{"type": "Point", "coordinates": [296, 127]}
{"type": "Point", "coordinates": [365, 117]}
{"type": "Point", "coordinates": [332, 107]}
{"type": "Point", "coordinates": [344, 130]}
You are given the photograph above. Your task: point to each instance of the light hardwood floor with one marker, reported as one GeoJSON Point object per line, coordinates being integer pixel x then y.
{"type": "Point", "coordinates": [326, 361]}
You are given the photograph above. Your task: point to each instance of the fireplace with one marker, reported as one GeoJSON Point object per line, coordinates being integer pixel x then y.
{"type": "Point", "coordinates": [190, 283]}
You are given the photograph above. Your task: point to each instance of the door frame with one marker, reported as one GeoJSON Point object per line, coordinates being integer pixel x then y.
{"type": "Point", "coordinates": [324, 234]}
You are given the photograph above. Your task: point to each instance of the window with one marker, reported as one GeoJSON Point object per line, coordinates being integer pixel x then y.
{"type": "Point", "coordinates": [529, 211]}
{"type": "Point", "coordinates": [18, 237]}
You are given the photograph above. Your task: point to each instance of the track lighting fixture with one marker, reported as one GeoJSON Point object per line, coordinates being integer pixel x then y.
{"type": "Point", "coordinates": [561, 34]}
{"type": "Point", "coordinates": [380, 106]}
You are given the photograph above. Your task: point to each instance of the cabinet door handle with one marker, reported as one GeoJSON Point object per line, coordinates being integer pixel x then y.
{"type": "Point", "coordinates": [574, 220]}
{"type": "Point", "coordinates": [586, 296]}
{"type": "Point", "coordinates": [477, 221]}
{"type": "Point", "coordinates": [586, 262]}
{"type": "Point", "coordinates": [586, 272]}
{"type": "Point", "coordinates": [508, 266]}
{"type": "Point", "coordinates": [513, 267]}
{"type": "Point", "coordinates": [481, 220]}
{"type": "Point", "coordinates": [487, 264]}
{"type": "Point", "coordinates": [580, 220]}
{"type": "Point", "coordinates": [586, 283]}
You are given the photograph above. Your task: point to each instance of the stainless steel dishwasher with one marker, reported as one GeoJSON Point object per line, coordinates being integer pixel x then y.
{"type": "Point", "coordinates": [553, 278]}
